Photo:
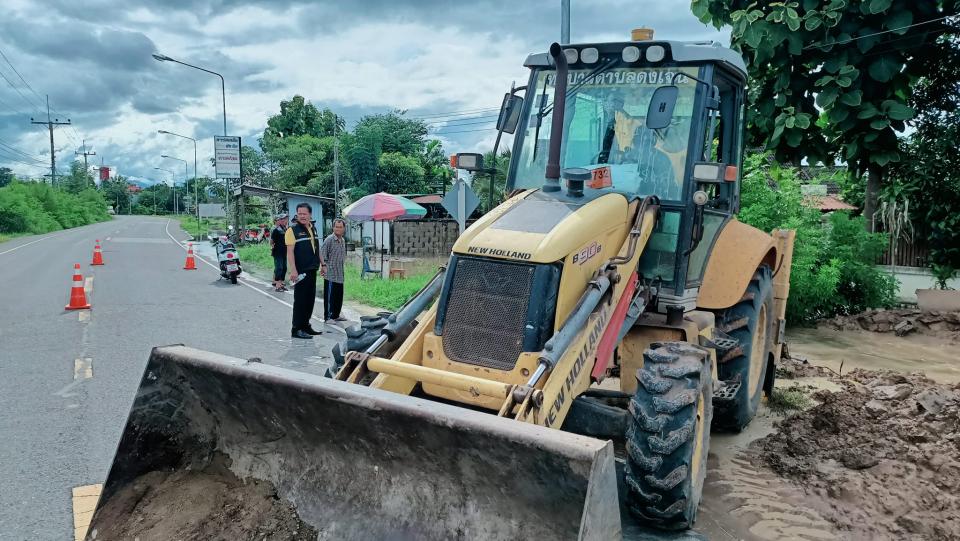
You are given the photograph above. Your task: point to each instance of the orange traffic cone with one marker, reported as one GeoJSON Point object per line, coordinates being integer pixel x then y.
{"type": "Point", "coordinates": [190, 264]}
{"type": "Point", "coordinates": [97, 255]}
{"type": "Point", "coordinates": [78, 297]}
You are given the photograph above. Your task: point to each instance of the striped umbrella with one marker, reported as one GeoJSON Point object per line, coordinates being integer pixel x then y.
{"type": "Point", "coordinates": [383, 207]}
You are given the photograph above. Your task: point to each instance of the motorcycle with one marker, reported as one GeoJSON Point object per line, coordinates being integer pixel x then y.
{"type": "Point", "coordinates": [229, 259]}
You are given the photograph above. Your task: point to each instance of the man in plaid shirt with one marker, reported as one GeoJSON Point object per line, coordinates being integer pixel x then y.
{"type": "Point", "coordinates": [332, 254]}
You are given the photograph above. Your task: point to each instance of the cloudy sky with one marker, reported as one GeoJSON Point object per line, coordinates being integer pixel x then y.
{"type": "Point", "coordinates": [446, 61]}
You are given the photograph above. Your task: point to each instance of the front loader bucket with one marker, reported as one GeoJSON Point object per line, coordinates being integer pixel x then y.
{"type": "Point", "coordinates": [354, 462]}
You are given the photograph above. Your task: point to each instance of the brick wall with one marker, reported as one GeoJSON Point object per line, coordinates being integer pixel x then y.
{"type": "Point", "coordinates": [423, 238]}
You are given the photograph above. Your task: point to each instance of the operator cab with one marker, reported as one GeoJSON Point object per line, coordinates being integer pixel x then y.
{"type": "Point", "coordinates": [658, 118]}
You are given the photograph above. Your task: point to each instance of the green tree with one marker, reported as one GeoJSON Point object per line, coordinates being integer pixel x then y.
{"type": "Point", "coordinates": [436, 165]}
{"type": "Point", "coordinates": [255, 167]}
{"type": "Point", "coordinates": [116, 193]}
{"type": "Point", "coordinates": [398, 134]}
{"type": "Point", "coordinates": [929, 176]}
{"type": "Point", "coordinates": [300, 117]}
{"type": "Point", "coordinates": [399, 174]}
{"type": "Point", "coordinates": [6, 176]}
{"type": "Point", "coordinates": [78, 180]}
{"type": "Point", "coordinates": [854, 61]}
{"type": "Point", "coordinates": [481, 181]}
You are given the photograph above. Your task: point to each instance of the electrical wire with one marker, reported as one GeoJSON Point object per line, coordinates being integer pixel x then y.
{"type": "Point", "coordinates": [455, 113]}
{"type": "Point", "coordinates": [852, 39]}
{"type": "Point", "coordinates": [18, 151]}
{"type": "Point", "coordinates": [447, 125]}
{"type": "Point", "coordinates": [464, 131]}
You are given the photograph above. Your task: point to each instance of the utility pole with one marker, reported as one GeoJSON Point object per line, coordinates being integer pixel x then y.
{"type": "Point", "coordinates": [564, 22]}
{"type": "Point", "coordinates": [50, 124]}
{"type": "Point", "coordinates": [336, 169]}
{"type": "Point", "coordinates": [86, 168]}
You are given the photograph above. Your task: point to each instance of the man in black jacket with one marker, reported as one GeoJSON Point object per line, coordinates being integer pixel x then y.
{"type": "Point", "coordinates": [303, 258]}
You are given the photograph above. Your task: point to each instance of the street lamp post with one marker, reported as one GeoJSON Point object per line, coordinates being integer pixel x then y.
{"type": "Point", "coordinates": [196, 191]}
{"type": "Point", "coordinates": [175, 182]}
{"type": "Point", "coordinates": [223, 89]}
{"type": "Point", "coordinates": [173, 178]}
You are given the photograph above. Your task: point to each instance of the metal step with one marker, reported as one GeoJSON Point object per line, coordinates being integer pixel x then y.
{"type": "Point", "coordinates": [726, 390]}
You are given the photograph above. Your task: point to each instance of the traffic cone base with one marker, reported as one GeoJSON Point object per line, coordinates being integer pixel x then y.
{"type": "Point", "coordinates": [78, 297]}
{"type": "Point", "coordinates": [97, 255]}
{"type": "Point", "coordinates": [190, 264]}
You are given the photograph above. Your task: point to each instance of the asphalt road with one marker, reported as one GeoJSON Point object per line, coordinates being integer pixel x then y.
{"type": "Point", "coordinates": [59, 426]}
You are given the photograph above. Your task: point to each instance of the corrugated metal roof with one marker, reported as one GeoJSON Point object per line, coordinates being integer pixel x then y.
{"type": "Point", "coordinates": [827, 203]}
{"type": "Point", "coordinates": [432, 199]}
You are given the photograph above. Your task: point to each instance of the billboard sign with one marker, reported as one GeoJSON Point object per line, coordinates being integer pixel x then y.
{"type": "Point", "coordinates": [226, 150]}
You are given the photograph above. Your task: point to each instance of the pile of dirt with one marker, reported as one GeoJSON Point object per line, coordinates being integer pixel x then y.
{"type": "Point", "coordinates": [209, 504]}
{"type": "Point", "coordinates": [901, 322]}
{"type": "Point", "coordinates": [793, 367]}
{"type": "Point", "coordinates": [882, 456]}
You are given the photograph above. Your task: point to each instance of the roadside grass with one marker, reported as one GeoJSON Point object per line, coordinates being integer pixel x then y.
{"type": "Point", "coordinates": [257, 255]}
{"type": "Point", "coordinates": [374, 292]}
{"type": "Point", "coordinates": [189, 224]}
{"type": "Point", "coordinates": [4, 237]}
{"type": "Point", "coordinates": [387, 294]}
{"type": "Point", "coordinates": [790, 399]}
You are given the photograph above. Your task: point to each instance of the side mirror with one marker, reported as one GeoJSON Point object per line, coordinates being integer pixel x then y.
{"type": "Point", "coordinates": [660, 111]}
{"type": "Point", "coordinates": [509, 113]}
{"type": "Point", "coordinates": [468, 161]}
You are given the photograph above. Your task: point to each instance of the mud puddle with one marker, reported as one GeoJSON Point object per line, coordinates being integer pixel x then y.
{"type": "Point", "coordinates": [937, 358]}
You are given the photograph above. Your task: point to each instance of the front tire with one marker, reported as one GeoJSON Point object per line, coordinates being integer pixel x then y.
{"type": "Point", "coordinates": [669, 436]}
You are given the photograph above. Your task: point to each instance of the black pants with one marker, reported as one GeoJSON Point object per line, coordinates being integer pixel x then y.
{"type": "Point", "coordinates": [304, 297]}
{"type": "Point", "coordinates": [332, 299]}
{"type": "Point", "coordinates": [279, 268]}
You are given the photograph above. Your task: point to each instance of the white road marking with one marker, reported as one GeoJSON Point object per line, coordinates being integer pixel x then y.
{"type": "Point", "coordinates": [83, 368]}
{"type": "Point", "coordinates": [65, 391]}
{"type": "Point", "coordinates": [83, 315]}
{"type": "Point", "coordinates": [88, 284]}
{"type": "Point", "coordinates": [27, 244]}
{"type": "Point", "coordinates": [241, 280]}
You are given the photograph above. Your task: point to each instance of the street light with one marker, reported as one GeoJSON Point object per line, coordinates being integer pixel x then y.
{"type": "Point", "coordinates": [155, 192]}
{"type": "Point", "coordinates": [175, 208]}
{"type": "Point", "coordinates": [164, 58]}
{"type": "Point", "coordinates": [223, 89]}
{"type": "Point", "coordinates": [196, 191]}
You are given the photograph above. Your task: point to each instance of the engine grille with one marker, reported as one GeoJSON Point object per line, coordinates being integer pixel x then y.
{"type": "Point", "coordinates": [486, 313]}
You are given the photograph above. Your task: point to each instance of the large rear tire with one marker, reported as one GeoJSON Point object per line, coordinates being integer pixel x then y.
{"type": "Point", "coordinates": [749, 322]}
{"type": "Point", "coordinates": [669, 436]}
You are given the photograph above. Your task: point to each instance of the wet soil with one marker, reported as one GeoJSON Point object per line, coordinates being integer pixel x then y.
{"type": "Point", "coordinates": [879, 459]}
{"type": "Point", "coordinates": [209, 504]}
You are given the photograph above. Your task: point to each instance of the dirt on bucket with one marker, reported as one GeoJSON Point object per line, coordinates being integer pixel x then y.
{"type": "Point", "coordinates": [881, 457]}
{"type": "Point", "coordinates": [207, 504]}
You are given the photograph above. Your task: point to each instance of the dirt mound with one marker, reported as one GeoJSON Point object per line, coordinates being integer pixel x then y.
{"type": "Point", "coordinates": [901, 322]}
{"type": "Point", "coordinates": [882, 456]}
{"type": "Point", "coordinates": [210, 504]}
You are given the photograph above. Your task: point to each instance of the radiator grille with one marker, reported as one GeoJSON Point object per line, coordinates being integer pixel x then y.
{"type": "Point", "coordinates": [486, 313]}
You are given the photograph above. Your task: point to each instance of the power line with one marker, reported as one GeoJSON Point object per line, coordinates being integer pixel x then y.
{"type": "Point", "coordinates": [445, 124]}
{"type": "Point", "coordinates": [7, 60]}
{"type": "Point", "coordinates": [13, 86]}
{"type": "Point", "coordinates": [18, 151]}
{"type": "Point", "coordinates": [844, 42]}
{"type": "Point", "coordinates": [455, 113]}
{"type": "Point", "coordinates": [464, 131]}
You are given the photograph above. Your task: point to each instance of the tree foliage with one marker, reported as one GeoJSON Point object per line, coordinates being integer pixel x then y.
{"type": "Point", "coordinates": [6, 176]}
{"type": "Point", "coordinates": [35, 207]}
{"type": "Point", "coordinates": [831, 75]}
{"type": "Point", "coordinates": [833, 268]}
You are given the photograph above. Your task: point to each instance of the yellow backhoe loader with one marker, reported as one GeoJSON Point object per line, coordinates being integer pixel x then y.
{"type": "Point", "coordinates": [613, 298]}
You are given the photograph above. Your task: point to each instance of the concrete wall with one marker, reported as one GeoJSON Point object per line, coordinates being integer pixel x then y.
{"type": "Point", "coordinates": [914, 278]}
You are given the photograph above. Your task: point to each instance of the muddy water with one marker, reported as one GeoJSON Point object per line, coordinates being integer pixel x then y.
{"type": "Point", "coordinates": [938, 359]}
{"type": "Point", "coordinates": [744, 501]}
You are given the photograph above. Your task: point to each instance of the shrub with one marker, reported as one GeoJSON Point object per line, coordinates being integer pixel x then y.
{"type": "Point", "coordinates": [833, 259]}
{"type": "Point", "coordinates": [36, 208]}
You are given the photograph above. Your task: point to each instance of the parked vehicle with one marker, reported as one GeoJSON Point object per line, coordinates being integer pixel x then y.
{"type": "Point", "coordinates": [229, 259]}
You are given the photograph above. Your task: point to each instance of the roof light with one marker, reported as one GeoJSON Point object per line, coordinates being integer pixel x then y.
{"type": "Point", "coordinates": [590, 55]}
{"type": "Point", "coordinates": [630, 53]}
{"type": "Point", "coordinates": [571, 55]}
{"type": "Point", "coordinates": [655, 53]}
{"type": "Point", "coordinates": [641, 34]}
